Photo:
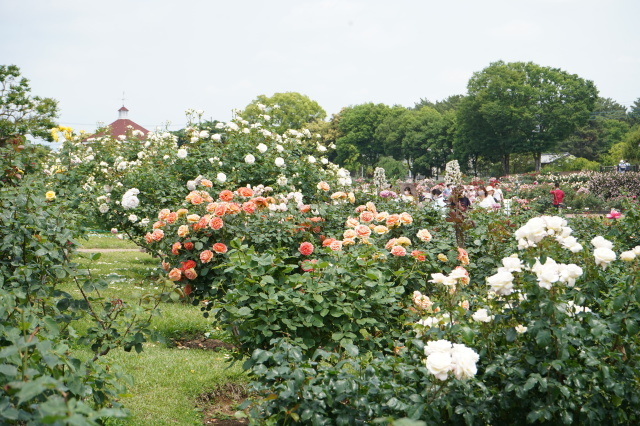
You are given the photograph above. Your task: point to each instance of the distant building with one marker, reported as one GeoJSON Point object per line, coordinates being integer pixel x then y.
{"type": "Point", "coordinates": [124, 127]}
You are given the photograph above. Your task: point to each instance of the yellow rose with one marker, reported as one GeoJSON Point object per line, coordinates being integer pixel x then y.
{"type": "Point", "coordinates": [50, 196]}
{"type": "Point", "coordinates": [442, 257]}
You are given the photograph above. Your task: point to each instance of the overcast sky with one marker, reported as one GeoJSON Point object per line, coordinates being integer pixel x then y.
{"type": "Point", "coordinates": [168, 56]}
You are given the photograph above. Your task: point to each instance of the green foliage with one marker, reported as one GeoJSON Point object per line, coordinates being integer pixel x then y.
{"type": "Point", "coordinates": [289, 110]}
{"type": "Point", "coordinates": [571, 164]}
{"type": "Point", "coordinates": [20, 113]}
{"type": "Point", "coordinates": [394, 169]}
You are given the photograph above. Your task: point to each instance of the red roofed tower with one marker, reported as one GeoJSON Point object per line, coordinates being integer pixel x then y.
{"type": "Point", "coordinates": [121, 125]}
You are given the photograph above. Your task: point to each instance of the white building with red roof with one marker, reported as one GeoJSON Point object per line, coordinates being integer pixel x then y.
{"type": "Point", "coordinates": [125, 127]}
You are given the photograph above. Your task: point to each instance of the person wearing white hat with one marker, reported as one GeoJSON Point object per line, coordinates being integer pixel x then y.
{"type": "Point", "coordinates": [488, 201]}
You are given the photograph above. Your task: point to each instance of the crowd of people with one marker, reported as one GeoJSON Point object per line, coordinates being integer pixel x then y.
{"type": "Point", "coordinates": [487, 197]}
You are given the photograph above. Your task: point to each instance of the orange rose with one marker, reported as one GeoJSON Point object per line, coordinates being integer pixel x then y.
{"type": "Point", "coordinates": [249, 207]}
{"type": "Point", "coordinates": [363, 231]}
{"type": "Point", "coordinates": [206, 256]}
{"type": "Point", "coordinates": [207, 183]}
{"type": "Point", "coordinates": [211, 207]}
{"type": "Point", "coordinates": [226, 195]}
{"type": "Point", "coordinates": [157, 235]}
{"type": "Point", "coordinates": [323, 186]}
{"type": "Point", "coordinates": [382, 216]}
{"type": "Point", "coordinates": [419, 255]}
{"type": "Point", "coordinates": [191, 274]}
{"type": "Point", "coordinates": [336, 245]}
{"type": "Point", "coordinates": [172, 217]}
{"type": "Point", "coordinates": [175, 248]}
{"type": "Point", "coordinates": [348, 242]}
{"type": "Point", "coordinates": [158, 224]}
{"type": "Point", "coordinates": [219, 248]}
{"type": "Point", "coordinates": [393, 220]}
{"type": "Point", "coordinates": [216, 223]}
{"type": "Point", "coordinates": [463, 256]}
{"type": "Point", "coordinates": [233, 208]}
{"type": "Point", "coordinates": [221, 209]}
{"type": "Point", "coordinates": [390, 243]}
{"type": "Point", "coordinates": [245, 192]}
{"type": "Point", "coordinates": [183, 231]}
{"type": "Point", "coordinates": [148, 238]}
{"type": "Point", "coordinates": [175, 274]}
{"type": "Point", "coordinates": [327, 242]}
{"type": "Point", "coordinates": [367, 216]}
{"type": "Point", "coordinates": [166, 266]}
{"type": "Point", "coordinates": [349, 233]}
{"type": "Point", "coordinates": [162, 214]}
{"type": "Point", "coordinates": [305, 208]}
{"type": "Point", "coordinates": [398, 251]}
{"type": "Point", "coordinates": [306, 248]}
{"type": "Point", "coordinates": [197, 199]}
{"type": "Point", "coordinates": [406, 218]}
{"type": "Point", "coordinates": [188, 245]}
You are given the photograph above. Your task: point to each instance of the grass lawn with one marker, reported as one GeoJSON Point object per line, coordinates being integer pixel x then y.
{"type": "Point", "coordinates": [106, 241]}
{"type": "Point", "coordinates": [167, 379]}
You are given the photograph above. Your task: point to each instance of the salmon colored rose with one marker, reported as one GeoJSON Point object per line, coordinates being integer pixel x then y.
{"type": "Point", "coordinates": [382, 216]}
{"type": "Point", "coordinates": [398, 251]}
{"type": "Point", "coordinates": [307, 265]}
{"type": "Point", "coordinates": [363, 231]}
{"type": "Point", "coordinates": [221, 209]}
{"type": "Point", "coordinates": [327, 242]}
{"type": "Point", "coordinates": [183, 231]}
{"type": "Point", "coordinates": [207, 183]}
{"type": "Point", "coordinates": [216, 223]}
{"type": "Point", "coordinates": [197, 199]}
{"type": "Point", "coordinates": [245, 192]}
{"type": "Point", "coordinates": [234, 208]}
{"type": "Point", "coordinates": [191, 274]}
{"type": "Point", "coordinates": [188, 245]}
{"type": "Point", "coordinates": [226, 195]}
{"type": "Point", "coordinates": [211, 207]}
{"type": "Point", "coordinates": [361, 208]}
{"type": "Point", "coordinates": [405, 218]}
{"type": "Point", "coordinates": [305, 208]}
{"type": "Point", "coordinates": [220, 248]}
{"type": "Point", "coordinates": [206, 256]}
{"type": "Point", "coordinates": [175, 248]}
{"type": "Point", "coordinates": [367, 216]}
{"type": "Point", "coordinates": [162, 214]}
{"type": "Point", "coordinates": [166, 266]}
{"type": "Point", "coordinates": [463, 256]}
{"type": "Point", "coordinates": [390, 243]}
{"type": "Point", "coordinates": [187, 264]}
{"type": "Point", "coordinates": [393, 220]}
{"type": "Point", "coordinates": [158, 224]}
{"type": "Point", "coordinates": [352, 222]}
{"type": "Point", "coordinates": [148, 238]}
{"type": "Point", "coordinates": [419, 255]}
{"type": "Point", "coordinates": [323, 186]}
{"type": "Point", "coordinates": [306, 248]}
{"type": "Point", "coordinates": [172, 217]}
{"type": "Point", "coordinates": [336, 245]}
{"type": "Point", "coordinates": [157, 235]}
{"type": "Point", "coordinates": [175, 274]}
{"type": "Point", "coordinates": [424, 235]}
{"type": "Point", "coordinates": [249, 207]}
{"type": "Point", "coordinates": [349, 233]}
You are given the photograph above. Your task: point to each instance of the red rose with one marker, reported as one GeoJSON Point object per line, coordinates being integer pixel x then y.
{"type": "Point", "coordinates": [306, 248]}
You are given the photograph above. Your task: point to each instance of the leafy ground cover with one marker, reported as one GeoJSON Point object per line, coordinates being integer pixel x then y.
{"type": "Point", "coordinates": [187, 379]}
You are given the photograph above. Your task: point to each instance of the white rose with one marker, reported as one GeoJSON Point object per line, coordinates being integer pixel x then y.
{"type": "Point", "coordinates": [133, 218]}
{"type": "Point", "coordinates": [279, 162]}
{"type": "Point", "coordinates": [439, 364]}
{"type": "Point", "coordinates": [279, 148]}
{"type": "Point", "coordinates": [502, 282]}
{"type": "Point", "coordinates": [463, 362]}
{"type": "Point", "coordinates": [512, 263]}
{"type": "Point", "coordinates": [520, 329]}
{"type": "Point", "coordinates": [182, 153]}
{"type": "Point", "coordinates": [221, 177]}
{"type": "Point", "coordinates": [432, 347]}
{"type": "Point", "coordinates": [312, 159]}
{"type": "Point", "coordinates": [216, 137]}
{"type": "Point", "coordinates": [601, 242]}
{"type": "Point", "coordinates": [262, 148]}
{"type": "Point", "coordinates": [481, 315]}
{"type": "Point", "coordinates": [627, 256]}
{"type": "Point", "coordinates": [603, 256]}
{"type": "Point", "coordinates": [103, 208]}
{"type": "Point", "coordinates": [249, 159]}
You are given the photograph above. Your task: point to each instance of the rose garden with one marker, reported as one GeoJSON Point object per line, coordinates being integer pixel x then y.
{"type": "Point", "coordinates": [339, 301]}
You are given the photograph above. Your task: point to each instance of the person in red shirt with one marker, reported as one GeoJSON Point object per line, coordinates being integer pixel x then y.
{"type": "Point", "coordinates": [558, 195]}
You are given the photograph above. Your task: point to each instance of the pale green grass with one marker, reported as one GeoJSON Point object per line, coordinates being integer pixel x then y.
{"type": "Point", "coordinates": [167, 379]}
{"type": "Point", "coordinates": [102, 241]}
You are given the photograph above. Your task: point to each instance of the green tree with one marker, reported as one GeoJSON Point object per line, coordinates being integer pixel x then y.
{"type": "Point", "coordinates": [634, 112]}
{"type": "Point", "coordinates": [358, 125]}
{"type": "Point", "coordinates": [523, 107]}
{"type": "Point", "coordinates": [289, 110]}
{"type": "Point", "coordinates": [20, 113]}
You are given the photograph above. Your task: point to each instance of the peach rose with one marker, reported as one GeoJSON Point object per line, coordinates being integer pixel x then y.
{"type": "Point", "coordinates": [406, 218]}
{"type": "Point", "coordinates": [183, 231]}
{"type": "Point", "coordinates": [336, 245]}
{"type": "Point", "coordinates": [197, 199]}
{"type": "Point", "coordinates": [371, 207]}
{"type": "Point", "coordinates": [398, 251]}
{"type": "Point", "coordinates": [211, 207]}
{"type": "Point", "coordinates": [162, 214]}
{"type": "Point", "coordinates": [306, 248]}
{"type": "Point", "coordinates": [361, 208]}
{"type": "Point", "coordinates": [249, 207]}
{"type": "Point", "coordinates": [245, 192]}
{"type": "Point", "coordinates": [206, 256]}
{"type": "Point", "coordinates": [463, 256]}
{"type": "Point", "coordinates": [340, 195]}
{"type": "Point", "coordinates": [419, 255]}
{"type": "Point", "coordinates": [352, 222]}
{"type": "Point", "coordinates": [305, 208]}
{"type": "Point", "coordinates": [175, 274]}
{"type": "Point", "coordinates": [323, 186]}
{"type": "Point", "coordinates": [157, 234]}
{"type": "Point", "coordinates": [349, 233]}
{"type": "Point", "coordinates": [382, 216]}
{"type": "Point", "coordinates": [221, 209]}
{"type": "Point", "coordinates": [172, 217]}
{"type": "Point", "coordinates": [327, 242]}
{"type": "Point", "coordinates": [390, 243]}
{"type": "Point", "coordinates": [363, 231]}
{"type": "Point", "coordinates": [166, 266]}
{"type": "Point", "coordinates": [191, 274]}
{"type": "Point", "coordinates": [220, 248]}
{"type": "Point", "coordinates": [193, 218]}
{"type": "Point", "coordinates": [158, 224]}
{"type": "Point", "coordinates": [424, 235]}
{"type": "Point", "coordinates": [148, 238]}
{"type": "Point", "coordinates": [348, 242]}
{"type": "Point", "coordinates": [226, 195]}
{"type": "Point", "coordinates": [380, 229]}
{"type": "Point", "coordinates": [233, 208]}
{"type": "Point", "coordinates": [367, 216]}
{"type": "Point", "coordinates": [216, 223]}
{"type": "Point", "coordinates": [393, 220]}
{"type": "Point", "coordinates": [207, 183]}
{"type": "Point", "coordinates": [182, 212]}
{"type": "Point", "coordinates": [175, 248]}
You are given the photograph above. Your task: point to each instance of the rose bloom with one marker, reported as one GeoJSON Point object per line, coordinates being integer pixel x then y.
{"type": "Point", "coordinates": [348, 242]}
{"type": "Point", "coordinates": [162, 214]}
{"type": "Point", "coordinates": [405, 218]}
{"type": "Point", "coordinates": [304, 208]}
{"type": "Point", "coordinates": [627, 256]}
{"type": "Point", "coordinates": [197, 199]}
{"type": "Point", "coordinates": [380, 229]}
{"type": "Point", "coordinates": [390, 243]}
{"type": "Point", "coordinates": [158, 224]}
{"type": "Point", "coordinates": [307, 265]}
{"type": "Point", "coordinates": [183, 231]}
{"type": "Point", "coordinates": [481, 315]}
{"type": "Point", "coordinates": [351, 197]}
{"type": "Point", "coordinates": [360, 209]}
{"type": "Point", "coordinates": [221, 209]}
{"type": "Point", "coordinates": [439, 364]}
{"type": "Point", "coordinates": [502, 282]}
{"type": "Point", "coordinates": [464, 304]}
{"type": "Point", "coordinates": [172, 217]}
{"type": "Point", "coordinates": [363, 231]}
{"type": "Point", "coordinates": [352, 222]}
{"type": "Point", "coordinates": [220, 248]}
{"type": "Point", "coordinates": [211, 207]}
{"type": "Point", "coordinates": [306, 248]}
{"type": "Point", "coordinates": [603, 256]}
{"type": "Point", "coordinates": [226, 195]}
{"type": "Point", "coordinates": [245, 192]}
{"type": "Point", "coordinates": [148, 238]}
{"type": "Point", "coordinates": [520, 329]}
{"type": "Point", "coordinates": [207, 183]}
{"type": "Point", "coordinates": [419, 255]}
{"type": "Point", "coordinates": [461, 274]}
{"type": "Point", "coordinates": [216, 223]}
{"type": "Point", "coordinates": [193, 218]}
{"type": "Point", "coordinates": [175, 274]}
{"type": "Point", "coordinates": [367, 216]}
{"type": "Point", "coordinates": [398, 251]}
{"type": "Point", "coordinates": [249, 207]}
{"type": "Point", "coordinates": [323, 186]}
{"type": "Point", "coordinates": [182, 212]}
{"type": "Point", "coordinates": [157, 234]}
{"type": "Point", "coordinates": [338, 195]}
{"type": "Point", "coordinates": [50, 195]}
{"type": "Point", "coordinates": [421, 301]}
{"type": "Point", "coordinates": [327, 242]}
{"type": "Point", "coordinates": [234, 208]}
{"type": "Point", "coordinates": [336, 245]}
{"type": "Point", "coordinates": [191, 274]}
{"type": "Point", "coordinates": [206, 256]}
{"type": "Point", "coordinates": [463, 362]}
{"type": "Point", "coordinates": [393, 220]}
{"type": "Point", "coordinates": [349, 233]}
{"type": "Point", "coordinates": [382, 216]}
{"type": "Point", "coordinates": [175, 248]}
{"type": "Point", "coordinates": [442, 257]}
{"type": "Point", "coordinates": [187, 265]}
{"type": "Point", "coordinates": [403, 241]}
{"type": "Point", "coordinates": [166, 266]}
{"type": "Point", "coordinates": [424, 235]}
{"type": "Point", "coordinates": [463, 257]}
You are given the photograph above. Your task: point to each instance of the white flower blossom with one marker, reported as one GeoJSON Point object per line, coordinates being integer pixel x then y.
{"type": "Point", "coordinates": [182, 153]}
{"type": "Point", "coordinates": [481, 315]}
{"type": "Point", "coordinates": [249, 159]}
{"type": "Point", "coordinates": [221, 177]}
{"type": "Point", "coordinates": [279, 162]}
{"type": "Point", "coordinates": [262, 148]}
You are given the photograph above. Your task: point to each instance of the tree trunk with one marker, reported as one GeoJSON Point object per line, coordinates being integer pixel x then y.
{"type": "Point", "coordinates": [505, 164]}
{"type": "Point", "coordinates": [537, 157]}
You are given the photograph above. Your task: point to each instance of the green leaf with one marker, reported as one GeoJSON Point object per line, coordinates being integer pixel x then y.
{"type": "Point", "coordinates": [318, 298]}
